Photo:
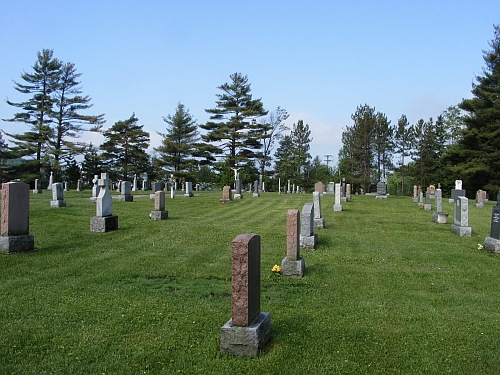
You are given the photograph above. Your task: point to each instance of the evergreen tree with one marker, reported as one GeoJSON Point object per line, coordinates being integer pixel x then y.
{"type": "Point", "coordinates": [234, 129]}
{"type": "Point", "coordinates": [425, 151]}
{"type": "Point", "coordinates": [124, 151]}
{"type": "Point", "coordinates": [284, 159]}
{"type": "Point", "coordinates": [383, 144]}
{"type": "Point", "coordinates": [403, 142]}
{"type": "Point", "coordinates": [301, 137]}
{"type": "Point", "coordinates": [179, 146]}
{"type": "Point", "coordinates": [476, 156]}
{"type": "Point", "coordinates": [92, 163]}
{"type": "Point", "coordinates": [36, 111]}
{"type": "Point", "coordinates": [67, 118]}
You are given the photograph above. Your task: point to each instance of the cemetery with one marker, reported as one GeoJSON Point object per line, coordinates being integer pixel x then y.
{"type": "Point", "coordinates": [385, 290]}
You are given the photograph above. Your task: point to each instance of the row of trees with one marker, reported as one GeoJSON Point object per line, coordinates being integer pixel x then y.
{"type": "Point", "coordinates": [463, 142]}
{"type": "Point", "coordinates": [240, 133]}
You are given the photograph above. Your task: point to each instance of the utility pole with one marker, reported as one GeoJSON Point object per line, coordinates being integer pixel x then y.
{"type": "Point", "coordinates": [327, 161]}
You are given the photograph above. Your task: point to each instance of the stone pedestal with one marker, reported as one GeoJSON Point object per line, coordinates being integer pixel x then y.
{"type": "Point", "coordinates": [427, 207]}
{"type": "Point", "coordinates": [159, 215]}
{"type": "Point", "coordinates": [246, 341]}
{"type": "Point", "coordinates": [380, 196]}
{"type": "Point", "coordinates": [337, 207]}
{"type": "Point", "coordinates": [492, 245]}
{"type": "Point", "coordinates": [415, 200]}
{"type": "Point", "coordinates": [37, 191]}
{"type": "Point", "coordinates": [308, 242]}
{"type": "Point", "coordinates": [319, 223]}
{"type": "Point", "coordinates": [16, 244]}
{"type": "Point", "coordinates": [441, 218]}
{"type": "Point", "coordinates": [126, 198]}
{"type": "Point", "coordinates": [293, 268]}
{"type": "Point", "coordinates": [461, 231]}
{"type": "Point", "coordinates": [103, 223]}
{"type": "Point", "coordinates": [480, 205]}
{"type": "Point", "coordinates": [58, 203]}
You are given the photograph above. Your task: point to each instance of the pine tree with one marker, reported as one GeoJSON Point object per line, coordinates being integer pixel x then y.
{"type": "Point", "coordinates": [234, 129]}
{"type": "Point", "coordinates": [383, 144]}
{"type": "Point", "coordinates": [403, 142]}
{"type": "Point", "coordinates": [124, 151]}
{"type": "Point", "coordinates": [476, 156]}
{"type": "Point", "coordinates": [179, 145]}
{"type": "Point", "coordinates": [36, 111]}
{"type": "Point", "coordinates": [284, 159]}
{"type": "Point", "coordinates": [301, 138]}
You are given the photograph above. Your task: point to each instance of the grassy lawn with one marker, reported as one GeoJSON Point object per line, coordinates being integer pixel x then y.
{"type": "Point", "coordinates": [387, 290]}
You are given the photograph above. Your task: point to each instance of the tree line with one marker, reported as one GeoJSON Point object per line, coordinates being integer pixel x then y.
{"type": "Point", "coordinates": [240, 133]}
{"type": "Point", "coordinates": [463, 143]}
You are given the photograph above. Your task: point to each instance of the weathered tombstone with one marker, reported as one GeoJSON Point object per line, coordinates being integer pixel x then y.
{"type": "Point", "coordinates": [261, 183]}
{"type": "Point", "coordinates": [134, 184]}
{"type": "Point", "coordinates": [79, 186]}
{"type": "Point", "coordinates": [189, 189]}
{"type": "Point", "coordinates": [479, 199]}
{"type": "Point", "coordinates": [14, 226]}
{"type": "Point", "coordinates": [155, 186]}
{"type": "Point", "coordinates": [288, 189]}
{"type": "Point", "coordinates": [125, 192]}
{"type": "Point", "coordinates": [293, 188]}
{"type": "Point", "coordinates": [415, 194]}
{"type": "Point", "coordinates": [256, 189]}
{"type": "Point", "coordinates": [95, 188]}
{"type": "Point", "coordinates": [439, 216]}
{"type": "Point", "coordinates": [172, 192]}
{"type": "Point", "coordinates": [237, 186]}
{"type": "Point", "coordinates": [57, 195]}
{"type": "Point", "coordinates": [159, 213]}
{"type": "Point", "coordinates": [381, 190]}
{"type": "Point", "coordinates": [37, 189]}
{"type": "Point", "coordinates": [226, 194]}
{"type": "Point", "coordinates": [457, 192]}
{"type": "Point", "coordinates": [293, 264]}
{"type": "Point", "coordinates": [427, 205]}
{"type": "Point", "coordinates": [249, 329]}
{"type": "Point", "coordinates": [319, 221]}
{"type": "Point", "coordinates": [421, 199]}
{"type": "Point", "coordinates": [104, 221]}
{"type": "Point", "coordinates": [348, 192]}
{"type": "Point", "coordinates": [319, 187]}
{"type": "Point", "coordinates": [492, 243]}
{"type": "Point", "coordinates": [66, 187]}
{"type": "Point", "coordinates": [308, 239]}
{"type": "Point", "coordinates": [51, 181]}
{"type": "Point", "coordinates": [343, 190]}
{"type": "Point", "coordinates": [337, 207]}
{"type": "Point", "coordinates": [330, 189]}
{"type": "Point", "coordinates": [461, 217]}
{"type": "Point", "coordinates": [279, 185]}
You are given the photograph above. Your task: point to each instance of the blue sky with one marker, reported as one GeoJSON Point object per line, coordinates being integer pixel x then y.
{"type": "Point", "coordinates": [317, 59]}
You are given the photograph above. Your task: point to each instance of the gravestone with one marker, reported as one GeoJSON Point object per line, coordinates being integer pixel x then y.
{"type": "Point", "coordinates": [37, 189]}
{"type": "Point", "coordinates": [172, 192]}
{"type": "Point", "coordinates": [438, 208]}
{"type": "Point", "coordinates": [159, 212]}
{"type": "Point", "coordinates": [261, 184]}
{"type": "Point", "coordinates": [381, 190]}
{"type": "Point", "coordinates": [348, 192]}
{"type": "Point", "coordinates": [421, 199]}
{"type": "Point", "coordinates": [79, 186]}
{"type": "Point", "coordinates": [125, 192]}
{"type": "Point", "coordinates": [256, 189]}
{"type": "Point", "coordinates": [66, 188]}
{"type": "Point", "coordinates": [479, 199]}
{"type": "Point", "coordinates": [95, 188]}
{"type": "Point", "coordinates": [308, 239]}
{"type": "Point", "coordinates": [237, 186]}
{"type": "Point", "coordinates": [293, 264]}
{"type": "Point", "coordinates": [249, 329]}
{"type": "Point", "coordinates": [427, 205]}
{"type": "Point", "coordinates": [279, 185]}
{"type": "Point", "coordinates": [319, 221]}
{"type": "Point", "coordinates": [457, 192]}
{"type": "Point", "coordinates": [319, 187]}
{"type": "Point", "coordinates": [104, 221]}
{"type": "Point", "coordinates": [189, 189]}
{"type": "Point", "coordinates": [415, 194]}
{"type": "Point", "coordinates": [492, 243]}
{"type": "Point", "coordinates": [51, 181]}
{"type": "Point", "coordinates": [14, 227]}
{"type": "Point", "coordinates": [57, 196]}
{"type": "Point", "coordinates": [288, 189]}
{"type": "Point", "coordinates": [461, 217]}
{"type": "Point", "coordinates": [155, 186]}
{"type": "Point", "coordinates": [337, 207]}
{"type": "Point", "coordinates": [330, 189]}
{"type": "Point", "coordinates": [226, 194]}
{"type": "Point", "coordinates": [134, 184]}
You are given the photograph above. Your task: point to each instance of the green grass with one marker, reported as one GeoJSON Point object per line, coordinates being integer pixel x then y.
{"type": "Point", "coordinates": [387, 291]}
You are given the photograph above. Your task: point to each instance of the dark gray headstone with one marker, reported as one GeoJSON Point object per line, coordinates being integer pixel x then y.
{"type": "Point", "coordinates": [495, 220]}
{"type": "Point", "coordinates": [381, 188]}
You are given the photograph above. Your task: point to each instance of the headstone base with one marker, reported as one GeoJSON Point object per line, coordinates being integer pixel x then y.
{"type": "Point", "coordinates": [79, 190]}
{"type": "Point", "coordinates": [152, 196]}
{"type": "Point", "coordinates": [451, 200]}
{"type": "Point", "coordinates": [127, 198]}
{"type": "Point", "coordinates": [256, 195]}
{"type": "Point", "coordinates": [16, 244]}
{"type": "Point", "coordinates": [427, 207]}
{"type": "Point", "coordinates": [461, 231]}
{"type": "Point", "coordinates": [415, 200]}
{"type": "Point", "coordinates": [293, 268]}
{"type": "Point", "coordinates": [337, 207]}
{"type": "Point", "coordinates": [479, 205]}
{"type": "Point", "coordinates": [58, 203]}
{"type": "Point", "coordinates": [103, 223]}
{"type": "Point", "coordinates": [492, 245]}
{"type": "Point", "coordinates": [93, 199]}
{"type": "Point", "coordinates": [159, 215]}
{"type": "Point", "coordinates": [380, 196]}
{"type": "Point", "coordinates": [189, 195]}
{"type": "Point", "coordinates": [37, 191]}
{"type": "Point", "coordinates": [238, 196]}
{"type": "Point", "coordinates": [442, 217]}
{"type": "Point", "coordinates": [308, 242]}
{"type": "Point", "coordinates": [246, 341]}
{"type": "Point", "coordinates": [319, 223]}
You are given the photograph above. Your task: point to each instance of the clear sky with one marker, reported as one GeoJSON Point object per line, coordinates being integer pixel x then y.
{"type": "Point", "coordinates": [317, 59]}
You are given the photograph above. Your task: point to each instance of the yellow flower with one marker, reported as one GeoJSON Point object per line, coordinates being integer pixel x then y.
{"type": "Point", "coordinates": [479, 246]}
{"type": "Point", "coordinates": [276, 268]}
